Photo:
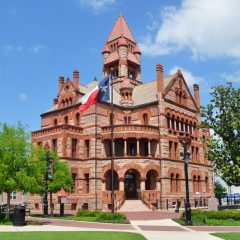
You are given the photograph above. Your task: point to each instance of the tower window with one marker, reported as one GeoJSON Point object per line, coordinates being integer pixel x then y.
{"type": "Point", "coordinates": [145, 119]}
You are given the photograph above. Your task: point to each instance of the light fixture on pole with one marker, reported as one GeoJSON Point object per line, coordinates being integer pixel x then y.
{"type": "Point", "coordinates": [186, 157]}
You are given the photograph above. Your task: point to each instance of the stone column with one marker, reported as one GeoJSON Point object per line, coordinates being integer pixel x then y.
{"type": "Point", "coordinates": [149, 148]}
{"type": "Point", "coordinates": [121, 184]}
{"type": "Point", "coordinates": [125, 147]}
{"type": "Point", "coordinates": [158, 185]}
{"type": "Point", "coordinates": [138, 146]}
{"type": "Point", "coordinates": [142, 183]}
{"type": "Point", "coordinates": [104, 184]}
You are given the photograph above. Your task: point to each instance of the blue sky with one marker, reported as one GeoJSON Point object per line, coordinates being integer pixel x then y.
{"type": "Point", "coordinates": [42, 40]}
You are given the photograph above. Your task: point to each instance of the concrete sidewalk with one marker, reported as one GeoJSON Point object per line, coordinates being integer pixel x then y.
{"type": "Point", "coordinates": [152, 229]}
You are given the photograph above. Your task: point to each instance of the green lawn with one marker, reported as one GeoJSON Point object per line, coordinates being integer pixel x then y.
{"type": "Point", "coordinates": [70, 235]}
{"type": "Point", "coordinates": [227, 236]}
{"type": "Point", "coordinates": [212, 218]}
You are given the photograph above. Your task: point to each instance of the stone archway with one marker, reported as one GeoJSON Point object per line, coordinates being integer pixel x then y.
{"type": "Point", "coordinates": [132, 184]}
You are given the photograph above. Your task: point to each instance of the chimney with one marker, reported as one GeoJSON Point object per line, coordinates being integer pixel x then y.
{"type": "Point", "coordinates": [196, 94]}
{"type": "Point", "coordinates": [75, 78]}
{"type": "Point", "coordinates": [159, 75]}
{"type": "Point", "coordinates": [55, 101]}
{"type": "Point", "coordinates": [60, 84]}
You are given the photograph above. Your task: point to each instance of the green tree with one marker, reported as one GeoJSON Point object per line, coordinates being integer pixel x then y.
{"type": "Point", "coordinates": [15, 149]}
{"type": "Point", "coordinates": [61, 175]}
{"type": "Point", "coordinates": [219, 190]}
{"type": "Point", "coordinates": [222, 115]}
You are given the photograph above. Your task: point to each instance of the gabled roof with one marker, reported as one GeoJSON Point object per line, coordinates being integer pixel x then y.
{"type": "Point", "coordinates": [120, 29]}
{"type": "Point", "coordinates": [172, 81]}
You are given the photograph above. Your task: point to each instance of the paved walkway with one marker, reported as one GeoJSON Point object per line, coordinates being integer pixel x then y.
{"type": "Point", "coordinates": [158, 229]}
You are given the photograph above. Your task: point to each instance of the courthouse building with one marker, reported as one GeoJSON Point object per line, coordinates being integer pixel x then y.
{"type": "Point", "coordinates": [151, 119]}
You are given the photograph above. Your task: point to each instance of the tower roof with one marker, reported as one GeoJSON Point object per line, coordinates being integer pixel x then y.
{"type": "Point", "coordinates": [120, 29]}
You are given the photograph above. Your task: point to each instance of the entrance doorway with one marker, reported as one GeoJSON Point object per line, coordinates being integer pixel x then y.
{"type": "Point", "coordinates": [132, 184]}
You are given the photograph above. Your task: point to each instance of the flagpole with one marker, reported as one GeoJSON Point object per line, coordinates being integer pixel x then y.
{"type": "Point", "coordinates": [95, 156]}
{"type": "Point", "coordinates": [112, 144]}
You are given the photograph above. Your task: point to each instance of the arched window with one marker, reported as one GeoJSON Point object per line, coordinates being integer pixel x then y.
{"type": "Point", "coordinates": [206, 184]}
{"type": "Point", "coordinates": [168, 120]}
{"type": "Point", "coordinates": [173, 122]}
{"type": "Point", "coordinates": [199, 184]}
{"type": "Point", "coordinates": [77, 119]}
{"type": "Point", "coordinates": [182, 125]}
{"type": "Point", "coordinates": [177, 183]}
{"type": "Point", "coordinates": [180, 97]}
{"type": "Point", "coordinates": [55, 122]}
{"type": "Point", "coordinates": [145, 119]}
{"type": "Point", "coordinates": [171, 182]}
{"type": "Point", "coordinates": [66, 119]}
{"type": "Point", "coordinates": [177, 123]}
{"type": "Point", "coordinates": [194, 183]}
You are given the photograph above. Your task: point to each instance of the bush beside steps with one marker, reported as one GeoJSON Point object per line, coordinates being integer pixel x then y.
{"type": "Point", "coordinates": [104, 217]}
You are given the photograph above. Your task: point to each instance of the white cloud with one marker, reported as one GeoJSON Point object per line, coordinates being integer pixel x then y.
{"type": "Point", "coordinates": [23, 96]}
{"type": "Point", "coordinates": [188, 76]}
{"type": "Point", "coordinates": [37, 48]}
{"type": "Point", "coordinates": [207, 28]}
{"type": "Point", "coordinates": [9, 48]}
{"type": "Point", "coordinates": [232, 77]}
{"type": "Point", "coordinates": [98, 4]}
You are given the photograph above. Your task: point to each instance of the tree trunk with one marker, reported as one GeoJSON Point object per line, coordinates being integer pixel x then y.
{"type": "Point", "coordinates": [51, 204]}
{"type": "Point", "coordinates": [8, 206]}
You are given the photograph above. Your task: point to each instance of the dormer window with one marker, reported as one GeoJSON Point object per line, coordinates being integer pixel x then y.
{"type": "Point", "coordinates": [145, 119]}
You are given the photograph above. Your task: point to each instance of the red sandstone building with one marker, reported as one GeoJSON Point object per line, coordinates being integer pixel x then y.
{"type": "Point", "coordinates": [150, 120]}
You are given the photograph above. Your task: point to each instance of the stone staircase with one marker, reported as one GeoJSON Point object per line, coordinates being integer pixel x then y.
{"type": "Point", "coordinates": [133, 206]}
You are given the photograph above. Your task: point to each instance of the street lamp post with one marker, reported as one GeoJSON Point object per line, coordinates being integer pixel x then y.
{"type": "Point", "coordinates": [48, 177]}
{"type": "Point", "coordinates": [45, 197]}
{"type": "Point", "coordinates": [186, 156]}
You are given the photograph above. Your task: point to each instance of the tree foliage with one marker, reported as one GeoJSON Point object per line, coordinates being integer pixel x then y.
{"type": "Point", "coordinates": [219, 190]}
{"type": "Point", "coordinates": [23, 166]}
{"type": "Point", "coordinates": [222, 115]}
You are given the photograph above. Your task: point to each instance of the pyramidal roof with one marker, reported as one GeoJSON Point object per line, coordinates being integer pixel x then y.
{"type": "Point", "coordinates": [120, 29]}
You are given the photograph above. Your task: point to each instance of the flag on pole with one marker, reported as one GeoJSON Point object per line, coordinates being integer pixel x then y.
{"type": "Point", "coordinates": [99, 94]}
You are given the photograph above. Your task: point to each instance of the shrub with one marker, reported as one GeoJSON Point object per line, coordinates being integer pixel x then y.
{"type": "Point", "coordinates": [88, 213]}
{"type": "Point", "coordinates": [109, 217]}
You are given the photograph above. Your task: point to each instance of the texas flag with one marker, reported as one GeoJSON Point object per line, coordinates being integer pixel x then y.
{"type": "Point", "coordinates": [99, 94]}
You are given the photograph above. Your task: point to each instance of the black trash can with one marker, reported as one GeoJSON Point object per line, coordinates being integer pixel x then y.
{"type": "Point", "coordinates": [19, 216]}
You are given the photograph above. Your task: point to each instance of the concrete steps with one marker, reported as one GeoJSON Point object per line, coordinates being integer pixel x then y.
{"type": "Point", "coordinates": [133, 206]}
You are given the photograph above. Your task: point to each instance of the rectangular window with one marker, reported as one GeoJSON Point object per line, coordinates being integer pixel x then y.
{"type": "Point", "coordinates": [193, 157]}
{"type": "Point", "coordinates": [54, 144]}
{"type": "Point", "coordinates": [74, 148]}
{"type": "Point", "coordinates": [197, 157]}
{"type": "Point", "coordinates": [87, 150]}
{"type": "Point", "coordinates": [175, 150]}
{"type": "Point", "coordinates": [86, 176]}
{"type": "Point", "coordinates": [170, 149]}
{"type": "Point", "coordinates": [13, 195]}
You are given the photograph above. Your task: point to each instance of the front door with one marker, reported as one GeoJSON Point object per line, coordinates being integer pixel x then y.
{"type": "Point", "coordinates": [130, 185]}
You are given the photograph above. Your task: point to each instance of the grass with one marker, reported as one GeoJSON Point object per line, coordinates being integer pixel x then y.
{"type": "Point", "coordinates": [213, 218]}
{"type": "Point", "coordinates": [71, 235]}
{"type": "Point", "coordinates": [227, 236]}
